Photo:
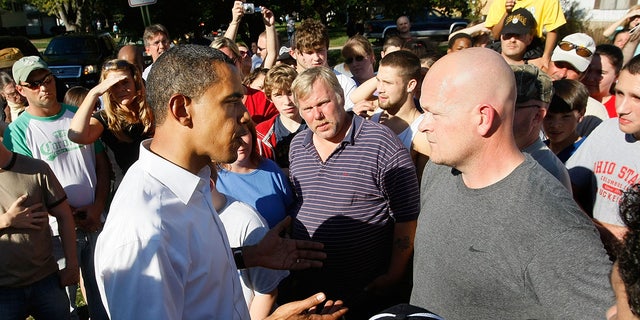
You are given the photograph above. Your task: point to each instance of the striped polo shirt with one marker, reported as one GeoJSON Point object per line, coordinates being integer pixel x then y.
{"type": "Point", "coordinates": [351, 201]}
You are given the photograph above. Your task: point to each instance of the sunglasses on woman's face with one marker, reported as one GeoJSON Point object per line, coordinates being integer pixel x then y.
{"type": "Point", "coordinates": [350, 59]}
{"type": "Point", "coordinates": [116, 65]}
{"type": "Point", "coordinates": [580, 50]}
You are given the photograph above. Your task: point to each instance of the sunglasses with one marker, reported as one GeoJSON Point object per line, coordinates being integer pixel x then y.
{"type": "Point", "coordinates": [580, 50]}
{"type": "Point", "coordinates": [116, 65]}
{"type": "Point", "coordinates": [350, 59]}
{"type": "Point", "coordinates": [33, 85]}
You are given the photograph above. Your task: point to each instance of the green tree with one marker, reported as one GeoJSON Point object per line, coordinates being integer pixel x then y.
{"type": "Point", "coordinates": [70, 12]}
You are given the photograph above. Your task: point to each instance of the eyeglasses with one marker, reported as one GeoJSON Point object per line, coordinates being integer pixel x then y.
{"type": "Point", "coordinates": [244, 53]}
{"type": "Point", "coordinates": [33, 85]}
{"type": "Point", "coordinates": [260, 49]}
{"type": "Point", "coordinates": [350, 59]}
{"type": "Point", "coordinates": [580, 50]}
{"type": "Point", "coordinates": [116, 65]}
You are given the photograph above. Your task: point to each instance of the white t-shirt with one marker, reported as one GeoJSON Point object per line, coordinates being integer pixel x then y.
{"type": "Point", "coordinates": [245, 227]}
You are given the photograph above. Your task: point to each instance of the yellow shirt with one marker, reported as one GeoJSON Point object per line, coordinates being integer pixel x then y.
{"type": "Point", "coordinates": [548, 14]}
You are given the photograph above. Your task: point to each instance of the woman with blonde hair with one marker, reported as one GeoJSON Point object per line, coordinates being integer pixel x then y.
{"type": "Point", "coordinates": [629, 23]}
{"type": "Point", "coordinates": [126, 118]}
{"type": "Point", "coordinates": [359, 56]}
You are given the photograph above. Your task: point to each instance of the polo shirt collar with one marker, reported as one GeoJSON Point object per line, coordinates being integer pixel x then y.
{"type": "Point", "coordinates": [180, 181]}
{"type": "Point", "coordinates": [350, 138]}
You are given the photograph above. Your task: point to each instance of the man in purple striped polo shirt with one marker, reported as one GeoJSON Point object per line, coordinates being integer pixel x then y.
{"type": "Point", "coordinates": [357, 193]}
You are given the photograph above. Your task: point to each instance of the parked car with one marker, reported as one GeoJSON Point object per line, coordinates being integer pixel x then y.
{"type": "Point", "coordinates": [426, 23]}
{"type": "Point", "coordinates": [26, 47]}
{"type": "Point", "coordinates": [76, 58]}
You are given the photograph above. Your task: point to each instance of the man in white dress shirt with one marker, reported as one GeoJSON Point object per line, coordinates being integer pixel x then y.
{"type": "Point", "coordinates": [164, 253]}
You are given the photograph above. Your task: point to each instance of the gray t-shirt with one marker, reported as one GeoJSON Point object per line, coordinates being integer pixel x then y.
{"type": "Point", "coordinates": [549, 161]}
{"type": "Point", "coordinates": [517, 249]}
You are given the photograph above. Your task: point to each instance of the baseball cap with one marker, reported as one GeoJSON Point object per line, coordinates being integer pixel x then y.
{"type": "Point", "coordinates": [23, 67]}
{"type": "Point", "coordinates": [567, 50]}
{"type": "Point", "coordinates": [520, 21]}
{"type": "Point", "coordinates": [532, 84]}
{"type": "Point", "coordinates": [284, 54]}
{"type": "Point", "coordinates": [8, 56]}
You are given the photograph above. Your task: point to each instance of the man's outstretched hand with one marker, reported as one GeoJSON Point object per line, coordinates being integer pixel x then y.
{"type": "Point", "coordinates": [307, 309]}
{"type": "Point", "coordinates": [277, 252]}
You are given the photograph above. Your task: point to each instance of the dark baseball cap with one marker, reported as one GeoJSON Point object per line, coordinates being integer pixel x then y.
{"type": "Point", "coordinates": [520, 21]}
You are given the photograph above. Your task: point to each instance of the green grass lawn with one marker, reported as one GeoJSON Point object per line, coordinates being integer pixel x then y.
{"type": "Point", "coordinates": [41, 44]}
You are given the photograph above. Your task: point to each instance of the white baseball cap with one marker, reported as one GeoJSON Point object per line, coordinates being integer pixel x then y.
{"type": "Point", "coordinates": [572, 50]}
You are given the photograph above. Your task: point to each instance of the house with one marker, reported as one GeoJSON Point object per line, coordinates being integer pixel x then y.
{"type": "Point", "coordinates": [602, 12]}
{"type": "Point", "coordinates": [24, 19]}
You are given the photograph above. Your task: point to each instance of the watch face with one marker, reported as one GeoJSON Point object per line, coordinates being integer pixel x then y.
{"type": "Point", "coordinates": [238, 258]}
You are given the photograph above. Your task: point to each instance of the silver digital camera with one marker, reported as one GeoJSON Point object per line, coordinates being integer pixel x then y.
{"type": "Point", "coordinates": [250, 8]}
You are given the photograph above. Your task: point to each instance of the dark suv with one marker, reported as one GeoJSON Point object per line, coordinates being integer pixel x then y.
{"type": "Point", "coordinates": [426, 23]}
{"type": "Point", "coordinates": [76, 58]}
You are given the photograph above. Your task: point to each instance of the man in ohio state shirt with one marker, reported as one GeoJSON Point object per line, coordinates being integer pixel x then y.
{"type": "Point", "coordinates": [608, 162]}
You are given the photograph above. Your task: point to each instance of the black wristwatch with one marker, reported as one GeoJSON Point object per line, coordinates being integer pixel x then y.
{"type": "Point", "coordinates": [238, 257]}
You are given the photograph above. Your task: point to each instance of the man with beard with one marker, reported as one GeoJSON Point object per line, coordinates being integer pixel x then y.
{"type": "Point", "coordinates": [398, 78]}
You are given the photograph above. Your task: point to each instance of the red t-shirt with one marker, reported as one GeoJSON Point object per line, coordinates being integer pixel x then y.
{"type": "Point", "coordinates": [610, 105]}
{"type": "Point", "coordinates": [259, 107]}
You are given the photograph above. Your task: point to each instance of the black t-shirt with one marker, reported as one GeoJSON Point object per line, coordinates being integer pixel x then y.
{"type": "Point", "coordinates": [126, 153]}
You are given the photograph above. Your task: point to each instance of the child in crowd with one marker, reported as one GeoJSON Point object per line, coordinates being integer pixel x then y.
{"type": "Point", "coordinates": [391, 44]}
{"type": "Point", "coordinates": [244, 227]}
{"type": "Point", "coordinates": [601, 76]}
{"type": "Point", "coordinates": [30, 283]}
{"type": "Point", "coordinates": [459, 42]}
{"type": "Point", "coordinates": [255, 79]}
{"type": "Point", "coordinates": [566, 110]}
{"type": "Point", "coordinates": [275, 134]}
{"type": "Point", "coordinates": [256, 181]}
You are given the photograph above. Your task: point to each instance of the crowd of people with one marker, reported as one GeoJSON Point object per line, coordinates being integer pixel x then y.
{"type": "Point", "coordinates": [493, 180]}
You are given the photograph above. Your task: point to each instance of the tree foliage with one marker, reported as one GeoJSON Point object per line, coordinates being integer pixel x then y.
{"type": "Point", "coordinates": [70, 12]}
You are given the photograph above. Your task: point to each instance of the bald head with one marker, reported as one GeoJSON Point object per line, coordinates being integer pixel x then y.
{"type": "Point", "coordinates": [471, 77]}
{"type": "Point", "coordinates": [133, 55]}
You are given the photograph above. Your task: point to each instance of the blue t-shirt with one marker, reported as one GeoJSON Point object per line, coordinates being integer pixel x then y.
{"type": "Point", "coordinates": [267, 189]}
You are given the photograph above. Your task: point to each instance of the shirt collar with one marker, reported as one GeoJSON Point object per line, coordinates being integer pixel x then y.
{"type": "Point", "coordinates": [180, 181]}
{"type": "Point", "coordinates": [349, 138]}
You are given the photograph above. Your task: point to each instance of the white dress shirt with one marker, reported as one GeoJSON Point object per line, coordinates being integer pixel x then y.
{"type": "Point", "coordinates": [163, 253]}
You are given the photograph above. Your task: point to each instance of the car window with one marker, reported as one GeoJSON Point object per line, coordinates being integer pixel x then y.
{"type": "Point", "coordinates": [68, 46]}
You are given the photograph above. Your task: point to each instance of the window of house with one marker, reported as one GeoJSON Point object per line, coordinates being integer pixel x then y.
{"type": "Point", "coordinates": [614, 4]}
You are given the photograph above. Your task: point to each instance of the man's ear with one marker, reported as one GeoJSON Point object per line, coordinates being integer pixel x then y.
{"type": "Point", "coordinates": [486, 115]}
{"type": "Point", "coordinates": [179, 109]}
{"type": "Point", "coordinates": [539, 117]}
{"type": "Point", "coordinates": [20, 90]}
{"type": "Point", "coordinates": [411, 86]}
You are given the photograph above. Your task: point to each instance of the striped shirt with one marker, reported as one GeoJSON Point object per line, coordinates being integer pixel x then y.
{"type": "Point", "coordinates": [351, 201]}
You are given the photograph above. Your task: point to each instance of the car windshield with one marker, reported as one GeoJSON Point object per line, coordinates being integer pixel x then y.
{"type": "Point", "coordinates": [68, 46]}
